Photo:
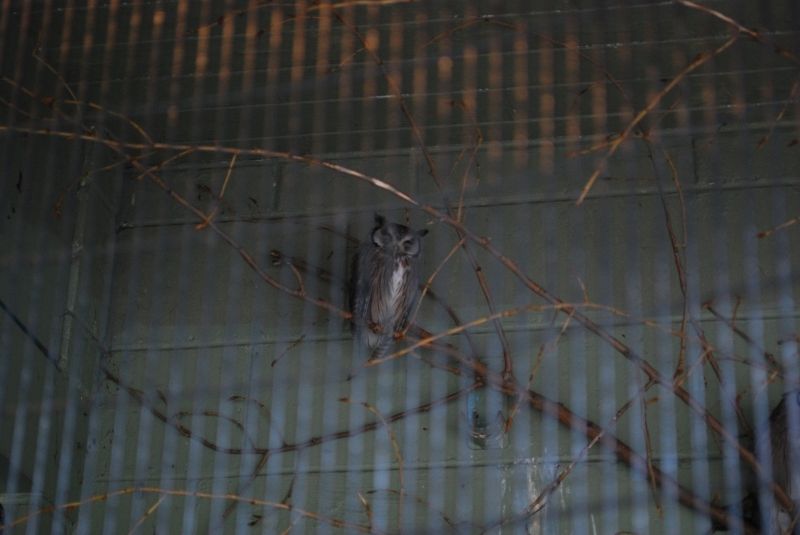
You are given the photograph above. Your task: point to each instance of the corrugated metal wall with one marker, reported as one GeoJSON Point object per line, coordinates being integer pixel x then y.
{"type": "Point", "coordinates": [184, 184]}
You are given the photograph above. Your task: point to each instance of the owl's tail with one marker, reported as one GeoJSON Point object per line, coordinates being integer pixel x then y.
{"type": "Point", "coordinates": [383, 345]}
{"type": "Point", "coordinates": [380, 350]}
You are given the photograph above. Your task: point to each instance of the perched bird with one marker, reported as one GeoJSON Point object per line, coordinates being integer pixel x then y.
{"type": "Point", "coordinates": [384, 283]}
{"type": "Point", "coordinates": [782, 440]}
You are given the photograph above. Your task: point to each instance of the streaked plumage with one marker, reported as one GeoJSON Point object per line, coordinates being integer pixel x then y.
{"type": "Point", "coordinates": [783, 442]}
{"type": "Point", "coordinates": [384, 282]}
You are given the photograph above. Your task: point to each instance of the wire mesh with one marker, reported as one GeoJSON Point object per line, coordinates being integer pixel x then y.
{"type": "Point", "coordinates": [606, 313]}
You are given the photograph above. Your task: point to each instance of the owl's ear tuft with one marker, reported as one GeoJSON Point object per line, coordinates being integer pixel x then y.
{"type": "Point", "coordinates": [422, 232]}
{"type": "Point", "coordinates": [380, 220]}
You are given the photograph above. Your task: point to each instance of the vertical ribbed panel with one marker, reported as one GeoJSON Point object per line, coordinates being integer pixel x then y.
{"type": "Point", "coordinates": [184, 185]}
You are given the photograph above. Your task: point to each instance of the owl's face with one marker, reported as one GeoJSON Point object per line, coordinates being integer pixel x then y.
{"type": "Point", "coordinates": [397, 240]}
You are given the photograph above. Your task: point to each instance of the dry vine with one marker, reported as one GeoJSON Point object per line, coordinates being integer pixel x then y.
{"type": "Point", "coordinates": [456, 360]}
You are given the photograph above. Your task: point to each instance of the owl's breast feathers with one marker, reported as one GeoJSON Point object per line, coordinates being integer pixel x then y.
{"type": "Point", "coordinates": [396, 285]}
{"type": "Point", "coordinates": [390, 296]}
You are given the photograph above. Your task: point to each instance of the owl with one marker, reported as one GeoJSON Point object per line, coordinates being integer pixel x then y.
{"type": "Point", "coordinates": [384, 283]}
{"type": "Point", "coordinates": [783, 442]}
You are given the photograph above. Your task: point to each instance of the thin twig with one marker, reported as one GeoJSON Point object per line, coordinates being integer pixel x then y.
{"type": "Point", "coordinates": [302, 336]}
{"type": "Point", "coordinates": [744, 336]}
{"type": "Point", "coordinates": [344, 61]}
{"type": "Point", "coordinates": [389, 432]}
{"type": "Point", "coordinates": [428, 283]}
{"type": "Point", "coordinates": [779, 227]}
{"type": "Point", "coordinates": [125, 118]}
{"type": "Point", "coordinates": [237, 13]}
{"type": "Point", "coordinates": [543, 350]}
{"type": "Point", "coordinates": [681, 246]}
{"type": "Point", "coordinates": [460, 212]}
{"type": "Point", "coordinates": [161, 164]}
{"type": "Point", "coordinates": [741, 29]}
{"type": "Point", "coordinates": [265, 410]}
{"type": "Point", "coordinates": [302, 288]}
{"type": "Point", "coordinates": [780, 115]}
{"type": "Point", "coordinates": [246, 486]}
{"type": "Point", "coordinates": [205, 222]}
{"type": "Point", "coordinates": [430, 506]}
{"type": "Point", "coordinates": [51, 69]}
{"type": "Point", "coordinates": [647, 446]}
{"type": "Point", "coordinates": [179, 415]}
{"type": "Point", "coordinates": [676, 250]}
{"type": "Point", "coordinates": [293, 524]}
{"type": "Point", "coordinates": [147, 514]}
{"type": "Point", "coordinates": [699, 60]}
{"type": "Point", "coordinates": [206, 495]}
{"type": "Point", "coordinates": [368, 509]}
